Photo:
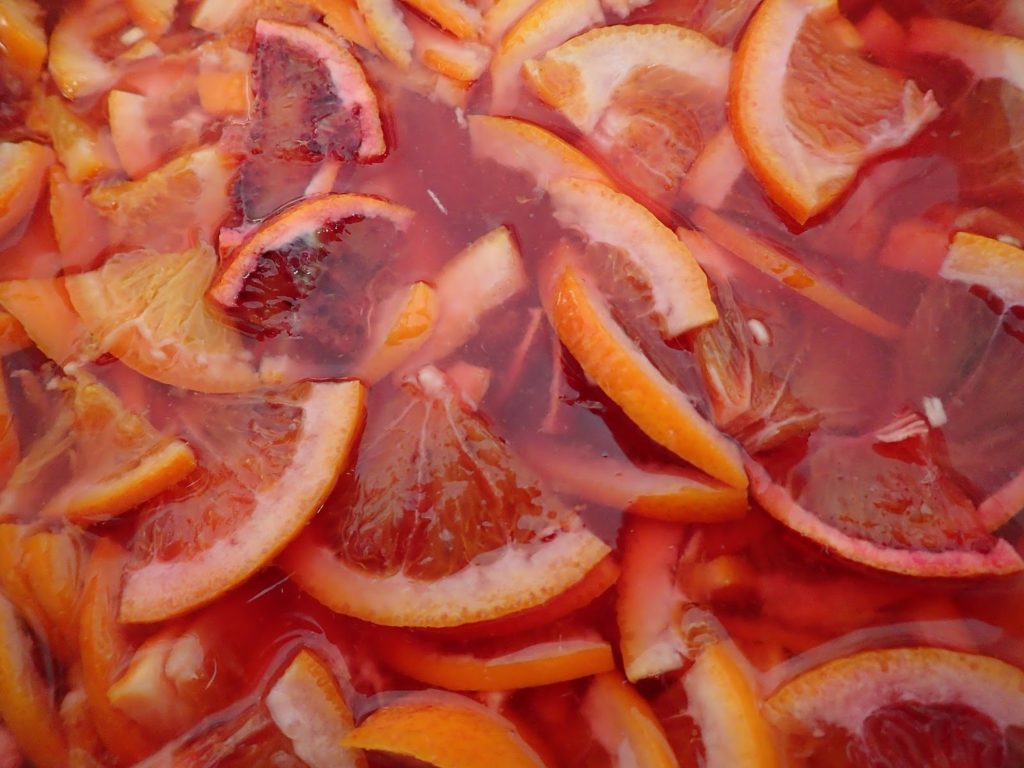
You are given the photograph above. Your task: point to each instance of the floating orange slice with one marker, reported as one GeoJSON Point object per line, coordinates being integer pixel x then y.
{"type": "Point", "coordinates": [522, 665]}
{"type": "Point", "coordinates": [653, 110]}
{"type": "Point", "coordinates": [400, 326]}
{"type": "Point", "coordinates": [84, 151]}
{"type": "Point", "coordinates": [623, 723]}
{"type": "Point", "coordinates": [585, 325]}
{"type": "Point", "coordinates": [149, 309]}
{"type": "Point", "coordinates": [24, 166]}
{"type": "Point", "coordinates": [95, 460]}
{"type": "Point", "coordinates": [22, 37]}
{"type": "Point", "coordinates": [530, 149]}
{"type": "Point", "coordinates": [809, 110]}
{"type": "Point", "coordinates": [988, 54]}
{"type": "Point", "coordinates": [500, 17]}
{"type": "Point", "coordinates": [460, 18]}
{"type": "Point", "coordinates": [447, 731]}
{"type": "Point", "coordinates": [387, 27]}
{"type": "Point", "coordinates": [463, 60]}
{"type": "Point", "coordinates": [876, 705]}
{"type": "Point", "coordinates": [248, 510]}
{"type": "Point", "coordinates": [42, 307]}
{"type": "Point", "coordinates": [547, 23]}
{"type": "Point", "coordinates": [75, 65]}
{"type": "Point", "coordinates": [988, 262]}
{"type": "Point", "coordinates": [660, 492]}
{"type": "Point", "coordinates": [678, 286]}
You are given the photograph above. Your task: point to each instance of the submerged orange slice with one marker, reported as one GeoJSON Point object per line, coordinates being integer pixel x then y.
{"type": "Point", "coordinates": [623, 723]}
{"type": "Point", "coordinates": [400, 326]}
{"type": "Point", "coordinates": [23, 174]}
{"type": "Point", "coordinates": [23, 38]}
{"type": "Point", "coordinates": [809, 110]}
{"type": "Point", "coordinates": [42, 307]}
{"type": "Point", "coordinates": [985, 261]}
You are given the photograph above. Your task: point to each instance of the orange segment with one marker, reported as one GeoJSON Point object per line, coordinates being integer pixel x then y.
{"type": "Point", "coordinates": [520, 666]}
{"type": "Point", "coordinates": [44, 310]}
{"type": "Point", "coordinates": [208, 542]}
{"type": "Point", "coordinates": [138, 125]}
{"type": "Point", "coordinates": [344, 18]}
{"type": "Point", "coordinates": [530, 149]}
{"type": "Point", "coordinates": [80, 232]}
{"type": "Point", "coordinates": [224, 94]}
{"type": "Point", "coordinates": [623, 723]}
{"type": "Point", "coordinates": [94, 461]}
{"type": "Point", "coordinates": [725, 707]}
{"type": "Point", "coordinates": [778, 266]}
{"type": "Point", "coordinates": [387, 27]}
{"type": "Point", "coordinates": [500, 17]}
{"type": "Point", "coordinates": [153, 16]}
{"type": "Point", "coordinates": [446, 731]}
{"type": "Point", "coordinates": [309, 708]}
{"type": "Point", "coordinates": [659, 492]}
{"type": "Point", "coordinates": [462, 60]}
{"type": "Point", "coordinates": [988, 54]}
{"type": "Point", "coordinates": [455, 16]}
{"type": "Point", "coordinates": [809, 110]}
{"type": "Point", "coordinates": [77, 69]}
{"type": "Point", "coordinates": [22, 37]}
{"type": "Point", "coordinates": [149, 310]}
{"type": "Point", "coordinates": [399, 328]}
{"type": "Point", "coordinates": [679, 288]}
{"type": "Point", "coordinates": [24, 166]}
{"type": "Point", "coordinates": [13, 337]}
{"type": "Point", "coordinates": [585, 325]}
{"type": "Point", "coordinates": [84, 152]}
{"type": "Point", "coordinates": [988, 262]}
{"type": "Point", "coordinates": [25, 700]}
{"type": "Point", "coordinates": [546, 24]}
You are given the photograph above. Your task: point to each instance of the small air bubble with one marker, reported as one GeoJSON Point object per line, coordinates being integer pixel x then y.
{"type": "Point", "coordinates": [760, 333]}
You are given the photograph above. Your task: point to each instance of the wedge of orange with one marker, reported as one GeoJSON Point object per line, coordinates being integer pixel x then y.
{"type": "Point", "coordinates": [986, 53]}
{"type": "Point", "coordinates": [150, 310]}
{"type": "Point", "coordinates": [94, 460]}
{"type": "Point", "coordinates": [254, 495]}
{"type": "Point", "coordinates": [809, 110]}
{"type": "Point", "coordinates": [584, 323]}
{"type": "Point", "coordinates": [400, 327]}
{"type": "Point", "coordinates": [23, 38]}
{"type": "Point", "coordinates": [518, 665]}
{"type": "Point", "coordinates": [24, 166]}
{"type": "Point", "coordinates": [387, 28]}
{"type": "Point", "coordinates": [623, 723]}
{"type": "Point", "coordinates": [987, 262]}
{"type": "Point", "coordinates": [84, 152]}
{"type": "Point", "coordinates": [530, 149]}
{"type": "Point", "coordinates": [455, 16]}
{"type": "Point", "coordinates": [154, 16]}
{"type": "Point", "coordinates": [677, 285]}
{"type": "Point", "coordinates": [43, 309]}
{"type": "Point", "coordinates": [76, 66]}
{"type": "Point", "coordinates": [462, 60]}
{"type": "Point", "coordinates": [446, 731]}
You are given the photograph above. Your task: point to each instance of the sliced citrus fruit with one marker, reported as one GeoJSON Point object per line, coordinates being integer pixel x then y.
{"type": "Point", "coordinates": [400, 327]}
{"type": "Point", "coordinates": [771, 261]}
{"type": "Point", "coordinates": [985, 261]}
{"type": "Point", "coordinates": [23, 38]}
{"type": "Point", "coordinates": [585, 325]}
{"type": "Point", "coordinates": [149, 310]}
{"type": "Point", "coordinates": [207, 542]}
{"type": "Point", "coordinates": [500, 17]}
{"type": "Point", "coordinates": [653, 112]}
{"type": "Point", "coordinates": [660, 492]}
{"type": "Point", "coordinates": [345, 19]}
{"type": "Point", "coordinates": [516, 665]}
{"type": "Point", "coordinates": [904, 706]}
{"type": "Point", "coordinates": [25, 699]}
{"type": "Point", "coordinates": [988, 54]}
{"type": "Point", "coordinates": [484, 275]}
{"type": "Point", "coordinates": [84, 151]}
{"type": "Point", "coordinates": [148, 212]}
{"type": "Point", "coordinates": [44, 310]}
{"type": "Point", "coordinates": [24, 172]}
{"type": "Point", "coordinates": [464, 60]}
{"type": "Point", "coordinates": [678, 287]}
{"type": "Point", "coordinates": [76, 66]}
{"type": "Point", "coordinates": [447, 731]}
{"type": "Point", "coordinates": [388, 30]}
{"type": "Point", "coordinates": [384, 550]}
{"type": "Point", "coordinates": [93, 460]}
{"type": "Point", "coordinates": [624, 724]}
{"type": "Point", "coordinates": [809, 110]}
{"type": "Point", "coordinates": [80, 231]}
{"type": "Point", "coordinates": [460, 18]}
{"type": "Point", "coordinates": [546, 24]}
{"type": "Point", "coordinates": [154, 16]}
{"type": "Point", "coordinates": [530, 149]}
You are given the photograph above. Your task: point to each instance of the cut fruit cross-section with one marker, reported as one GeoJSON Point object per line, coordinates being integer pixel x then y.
{"type": "Point", "coordinates": [44, 310]}
{"type": "Point", "coordinates": [623, 723]}
{"type": "Point", "coordinates": [23, 169]}
{"type": "Point", "coordinates": [400, 326]}
{"type": "Point", "coordinates": [808, 110]}
{"type": "Point", "coordinates": [987, 262]}
{"type": "Point", "coordinates": [149, 310]}
{"type": "Point", "coordinates": [385, 548]}
{"type": "Point", "coordinates": [267, 462]}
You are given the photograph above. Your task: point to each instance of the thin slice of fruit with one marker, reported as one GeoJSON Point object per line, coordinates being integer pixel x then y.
{"type": "Point", "coordinates": [988, 54]}
{"type": "Point", "coordinates": [987, 262]}
{"type": "Point", "coordinates": [456, 16]}
{"type": "Point", "coordinates": [623, 723]}
{"type": "Point", "coordinates": [772, 262]}
{"type": "Point", "coordinates": [344, 17]}
{"type": "Point", "coordinates": [809, 110]}
{"type": "Point", "coordinates": [24, 167]}
{"type": "Point", "coordinates": [548, 23]}
{"type": "Point", "coordinates": [500, 17]}
{"type": "Point", "coordinates": [653, 111]}
{"type": "Point", "coordinates": [484, 275]}
{"type": "Point", "coordinates": [148, 213]}
{"type": "Point", "coordinates": [23, 38]}
{"type": "Point", "coordinates": [93, 460]}
{"type": "Point", "coordinates": [84, 151]}
{"type": "Point", "coordinates": [517, 665]}
{"type": "Point", "coordinates": [464, 60]}
{"type": "Point", "coordinates": [308, 706]}
{"type": "Point", "coordinates": [154, 16]}
{"type": "Point", "coordinates": [209, 539]}
{"type": "Point", "coordinates": [530, 149]}
{"type": "Point", "coordinates": [400, 327]}
{"type": "Point", "coordinates": [904, 706]}
{"type": "Point", "coordinates": [660, 492]}
{"type": "Point", "coordinates": [75, 65]}
{"type": "Point", "coordinates": [150, 311]}
{"type": "Point", "coordinates": [447, 731]}
{"type": "Point", "coordinates": [723, 704]}
{"type": "Point", "coordinates": [26, 703]}
{"type": "Point", "coordinates": [43, 308]}
{"type": "Point", "coordinates": [80, 231]}
{"type": "Point", "coordinates": [384, 549]}
{"type": "Point", "coordinates": [584, 323]}
{"type": "Point", "coordinates": [388, 29]}
{"type": "Point", "coordinates": [678, 287]}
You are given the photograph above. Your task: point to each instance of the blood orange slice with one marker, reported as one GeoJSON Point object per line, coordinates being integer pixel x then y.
{"type": "Point", "coordinates": [84, 151]}
{"type": "Point", "coordinates": [400, 326]}
{"type": "Point", "coordinates": [987, 262]}
{"type": "Point", "coordinates": [904, 706]}
{"type": "Point", "coordinates": [651, 113]}
{"type": "Point", "coordinates": [797, 64]}
{"type": "Point", "coordinates": [624, 724]}
{"type": "Point", "coordinates": [92, 459]}
{"type": "Point", "coordinates": [447, 731]}
{"type": "Point", "coordinates": [386, 548]}
{"type": "Point", "coordinates": [24, 172]}
{"type": "Point", "coordinates": [267, 462]}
